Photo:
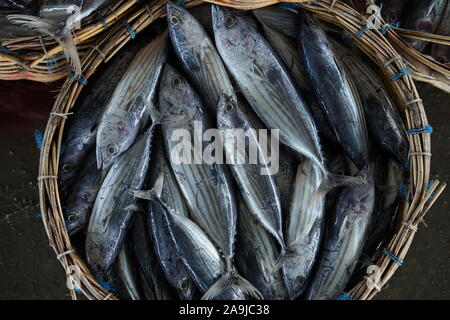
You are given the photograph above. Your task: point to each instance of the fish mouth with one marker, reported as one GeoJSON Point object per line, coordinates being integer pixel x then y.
{"type": "Point", "coordinates": [218, 16]}
{"type": "Point", "coordinates": [99, 160]}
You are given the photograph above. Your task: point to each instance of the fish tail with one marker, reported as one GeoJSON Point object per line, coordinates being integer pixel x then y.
{"type": "Point", "coordinates": [52, 29]}
{"type": "Point", "coordinates": [230, 280]}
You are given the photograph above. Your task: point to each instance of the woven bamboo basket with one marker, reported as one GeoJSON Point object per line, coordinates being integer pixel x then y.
{"type": "Point", "coordinates": [384, 50]}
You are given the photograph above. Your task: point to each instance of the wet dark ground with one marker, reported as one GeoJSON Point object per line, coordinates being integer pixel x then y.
{"type": "Point", "coordinates": [29, 269]}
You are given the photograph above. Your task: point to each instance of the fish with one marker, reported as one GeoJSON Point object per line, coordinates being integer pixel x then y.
{"type": "Point", "coordinates": [174, 269]}
{"type": "Point", "coordinates": [114, 208]}
{"type": "Point", "coordinates": [282, 20]}
{"type": "Point", "coordinates": [345, 235]}
{"type": "Point", "coordinates": [304, 228]}
{"type": "Point", "coordinates": [206, 187]}
{"type": "Point", "coordinates": [287, 50]}
{"type": "Point", "coordinates": [81, 197]}
{"type": "Point", "coordinates": [423, 16]}
{"type": "Point", "coordinates": [392, 10]}
{"type": "Point", "coordinates": [285, 176]}
{"type": "Point", "coordinates": [334, 90]}
{"type": "Point", "coordinates": [128, 110]}
{"type": "Point", "coordinates": [198, 56]}
{"type": "Point", "coordinates": [128, 272]}
{"type": "Point", "coordinates": [153, 282]}
{"type": "Point", "coordinates": [265, 83]}
{"type": "Point", "coordinates": [257, 255]}
{"type": "Point", "coordinates": [383, 119]}
{"type": "Point", "coordinates": [60, 26]}
{"type": "Point", "coordinates": [439, 51]}
{"type": "Point", "coordinates": [201, 257]}
{"type": "Point", "coordinates": [81, 128]}
{"type": "Point", "coordinates": [255, 181]}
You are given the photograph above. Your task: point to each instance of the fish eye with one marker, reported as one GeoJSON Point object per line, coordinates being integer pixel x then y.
{"type": "Point", "coordinates": [184, 284]}
{"type": "Point", "coordinates": [174, 20]}
{"type": "Point", "coordinates": [176, 82]}
{"type": "Point", "coordinates": [67, 168]}
{"type": "Point", "coordinates": [73, 217]}
{"type": "Point", "coordinates": [230, 21]}
{"type": "Point", "coordinates": [229, 107]}
{"type": "Point", "coordinates": [340, 172]}
{"type": "Point", "coordinates": [111, 150]}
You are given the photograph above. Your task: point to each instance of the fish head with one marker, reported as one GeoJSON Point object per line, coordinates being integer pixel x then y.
{"type": "Point", "coordinates": [175, 94]}
{"type": "Point", "coordinates": [234, 37]}
{"type": "Point", "coordinates": [181, 23]}
{"type": "Point", "coordinates": [185, 288]}
{"type": "Point", "coordinates": [76, 218]}
{"type": "Point", "coordinates": [228, 112]}
{"type": "Point", "coordinates": [112, 140]}
{"type": "Point", "coordinates": [100, 252]}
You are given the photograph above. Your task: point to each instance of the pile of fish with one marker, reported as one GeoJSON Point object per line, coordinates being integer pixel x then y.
{"type": "Point", "coordinates": [430, 16]}
{"type": "Point", "coordinates": [154, 227]}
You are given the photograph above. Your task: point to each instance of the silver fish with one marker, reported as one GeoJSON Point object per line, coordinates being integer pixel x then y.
{"type": "Point", "coordinates": [257, 256]}
{"type": "Point", "coordinates": [255, 181]}
{"type": "Point", "coordinates": [345, 235]}
{"type": "Point", "coordinates": [334, 90]}
{"type": "Point", "coordinates": [382, 116]}
{"type": "Point", "coordinates": [206, 187]}
{"type": "Point", "coordinates": [304, 227]}
{"type": "Point", "coordinates": [82, 195]}
{"type": "Point", "coordinates": [287, 50]}
{"type": "Point", "coordinates": [128, 272]}
{"type": "Point", "coordinates": [127, 111]}
{"type": "Point", "coordinates": [81, 128]}
{"type": "Point", "coordinates": [198, 55]}
{"type": "Point", "coordinates": [114, 207]}
{"type": "Point", "coordinates": [282, 20]}
{"type": "Point", "coordinates": [285, 176]}
{"type": "Point", "coordinates": [265, 83]}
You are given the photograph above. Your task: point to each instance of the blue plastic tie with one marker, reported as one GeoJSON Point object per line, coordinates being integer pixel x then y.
{"type": "Point", "coordinates": [38, 215]}
{"type": "Point", "coordinates": [52, 63]}
{"type": "Point", "coordinates": [102, 20]}
{"type": "Point", "coordinates": [6, 50]}
{"type": "Point", "coordinates": [289, 5]}
{"type": "Point", "coordinates": [181, 3]}
{"type": "Point", "coordinates": [107, 285]}
{"type": "Point", "coordinates": [129, 28]}
{"type": "Point", "coordinates": [401, 73]}
{"type": "Point", "coordinates": [428, 129]}
{"type": "Point", "coordinates": [361, 32]}
{"type": "Point", "coordinates": [385, 28]}
{"type": "Point", "coordinates": [345, 296]}
{"type": "Point", "coordinates": [79, 79]}
{"type": "Point", "coordinates": [403, 190]}
{"type": "Point", "coordinates": [430, 184]}
{"type": "Point", "coordinates": [77, 290]}
{"type": "Point", "coordinates": [393, 257]}
{"type": "Point", "coordinates": [38, 137]}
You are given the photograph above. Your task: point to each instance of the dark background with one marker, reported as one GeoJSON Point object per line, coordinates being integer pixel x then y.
{"type": "Point", "coordinates": [29, 269]}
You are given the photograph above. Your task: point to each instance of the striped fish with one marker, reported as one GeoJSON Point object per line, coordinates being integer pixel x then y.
{"type": "Point", "coordinates": [266, 84]}
{"type": "Point", "coordinates": [206, 187]}
{"type": "Point", "coordinates": [257, 256]}
{"type": "Point", "coordinates": [127, 111]}
{"type": "Point", "coordinates": [304, 227]}
{"type": "Point", "coordinates": [114, 207]}
{"type": "Point", "coordinates": [346, 233]}
{"type": "Point", "coordinates": [255, 180]}
{"type": "Point", "coordinates": [279, 19]}
{"type": "Point", "coordinates": [198, 56]}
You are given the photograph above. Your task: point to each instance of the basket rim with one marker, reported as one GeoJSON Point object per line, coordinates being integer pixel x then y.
{"type": "Point", "coordinates": [376, 46]}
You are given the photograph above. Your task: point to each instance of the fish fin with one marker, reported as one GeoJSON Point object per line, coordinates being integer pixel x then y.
{"type": "Point", "coordinates": [281, 260]}
{"type": "Point", "coordinates": [52, 29]}
{"type": "Point", "coordinates": [133, 207]}
{"type": "Point", "coordinates": [232, 280]}
{"type": "Point", "coordinates": [333, 181]}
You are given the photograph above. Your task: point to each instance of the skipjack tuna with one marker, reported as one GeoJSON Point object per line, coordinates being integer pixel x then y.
{"type": "Point", "coordinates": [159, 218]}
